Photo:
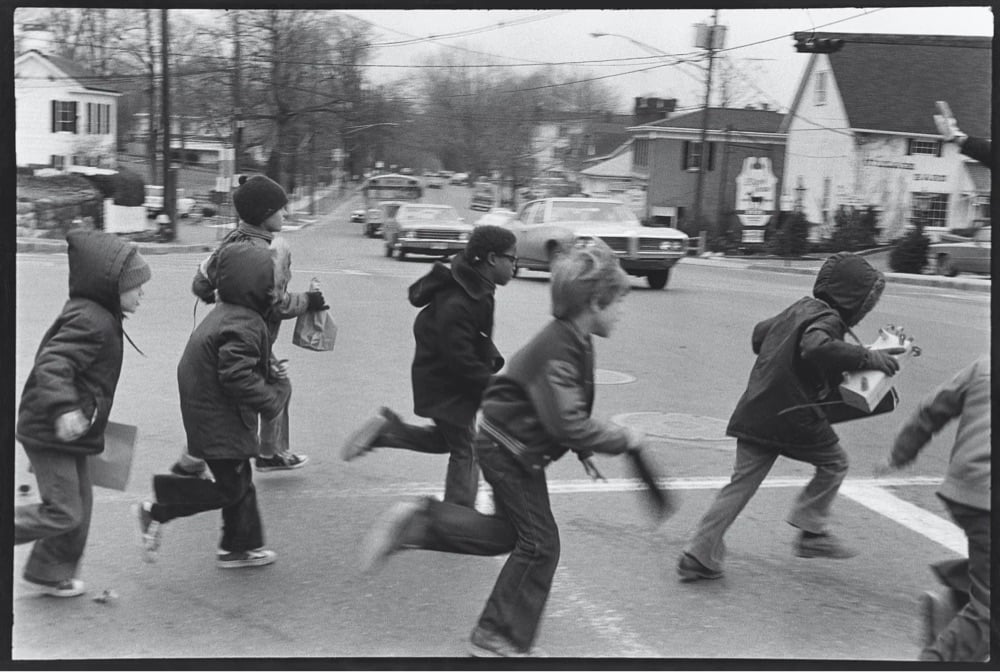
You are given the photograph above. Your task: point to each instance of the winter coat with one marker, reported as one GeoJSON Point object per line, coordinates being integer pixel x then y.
{"type": "Point", "coordinates": [455, 355]}
{"type": "Point", "coordinates": [223, 376]}
{"type": "Point", "coordinates": [540, 406]}
{"type": "Point", "coordinates": [290, 304]}
{"type": "Point", "coordinates": [801, 356]}
{"type": "Point", "coordinates": [80, 357]}
{"type": "Point", "coordinates": [966, 397]}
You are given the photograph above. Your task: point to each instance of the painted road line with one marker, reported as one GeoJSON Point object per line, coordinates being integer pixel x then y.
{"type": "Point", "coordinates": [908, 515]}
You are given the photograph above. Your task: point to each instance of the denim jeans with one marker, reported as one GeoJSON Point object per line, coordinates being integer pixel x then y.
{"type": "Point", "coordinates": [967, 637]}
{"type": "Point", "coordinates": [461, 481]}
{"type": "Point", "coordinates": [60, 523]}
{"type": "Point", "coordinates": [232, 491]}
{"type": "Point", "coordinates": [753, 462]}
{"type": "Point", "coordinates": [523, 525]}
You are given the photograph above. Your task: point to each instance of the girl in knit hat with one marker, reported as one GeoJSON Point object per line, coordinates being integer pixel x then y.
{"type": "Point", "coordinates": [66, 403]}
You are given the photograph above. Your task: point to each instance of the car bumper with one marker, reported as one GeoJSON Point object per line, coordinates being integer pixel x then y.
{"type": "Point", "coordinates": [640, 265]}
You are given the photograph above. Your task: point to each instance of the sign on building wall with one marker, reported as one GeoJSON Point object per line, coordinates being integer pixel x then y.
{"type": "Point", "coordinates": [755, 196]}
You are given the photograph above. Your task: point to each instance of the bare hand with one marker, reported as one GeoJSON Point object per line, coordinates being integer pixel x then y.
{"type": "Point", "coordinates": [71, 426]}
{"type": "Point", "coordinates": [279, 369]}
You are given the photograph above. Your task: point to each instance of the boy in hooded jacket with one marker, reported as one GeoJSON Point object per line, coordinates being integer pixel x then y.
{"type": "Point", "coordinates": [225, 380]}
{"type": "Point", "coordinates": [957, 617]}
{"type": "Point", "coordinates": [801, 356]}
{"type": "Point", "coordinates": [260, 203]}
{"type": "Point", "coordinates": [453, 362]}
{"type": "Point", "coordinates": [66, 402]}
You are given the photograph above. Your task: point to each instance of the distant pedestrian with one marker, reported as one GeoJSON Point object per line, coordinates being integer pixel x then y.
{"type": "Point", "coordinates": [66, 403]}
{"type": "Point", "coordinates": [536, 410]}
{"type": "Point", "coordinates": [260, 203]}
{"type": "Point", "coordinates": [454, 359]}
{"type": "Point", "coordinates": [801, 355]}
{"type": "Point", "coordinates": [957, 617]}
{"type": "Point", "coordinates": [225, 379]}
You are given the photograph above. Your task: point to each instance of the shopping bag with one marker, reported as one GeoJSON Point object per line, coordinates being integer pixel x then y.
{"type": "Point", "coordinates": [840, 410]}
{"type": "Point", "coordinates": [111, 468]}
{"type": "Point", "coordinates": [315, 330]}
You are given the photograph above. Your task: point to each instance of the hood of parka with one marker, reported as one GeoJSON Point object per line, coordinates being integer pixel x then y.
{"type": "Point", "coordinates": [440, 276]}
{"type": "Point", "coordinates": [245, 276]}
{"type": "Point", "coordinates": [849, 285]}
{"type": "Point", "coordinates": [96, 260]}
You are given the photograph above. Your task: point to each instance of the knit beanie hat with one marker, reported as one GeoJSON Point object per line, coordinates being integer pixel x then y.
{"type": "Point", "coordinates": [257, 198]}
{"type": "Point", "coordinates": [135, 274]}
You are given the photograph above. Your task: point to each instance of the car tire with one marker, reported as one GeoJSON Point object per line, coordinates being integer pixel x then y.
{"type": "Point", "coordinates": [945, 266]}
{"type": "Point", "coordinates": [401, 255]}
{"type": "Point", "coordinates": [658, 279]}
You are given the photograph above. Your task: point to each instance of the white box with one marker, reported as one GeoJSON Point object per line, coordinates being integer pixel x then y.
{"type": "Point", "coordinates": [865, 389]}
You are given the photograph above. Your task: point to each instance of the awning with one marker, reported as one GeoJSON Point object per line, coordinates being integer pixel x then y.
{"type": "Point", "coordinates": [980, 176]}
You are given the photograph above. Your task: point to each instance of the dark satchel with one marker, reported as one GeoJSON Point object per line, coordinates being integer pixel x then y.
{"type": "Point", "coordinates": [839, 410]}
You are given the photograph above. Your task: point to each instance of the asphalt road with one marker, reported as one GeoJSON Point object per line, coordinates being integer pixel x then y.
{"type": "Point", "coordinates": [676, 367]}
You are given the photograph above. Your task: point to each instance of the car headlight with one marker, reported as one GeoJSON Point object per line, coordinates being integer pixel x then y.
{"type": "Point", "coordinates": [463, 237]}
{"type": "Point", "coordinates": [585, 241]}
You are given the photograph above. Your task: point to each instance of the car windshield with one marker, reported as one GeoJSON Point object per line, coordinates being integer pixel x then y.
{"type": "Point", "coordinates": [428, 215]}
{"type": "Point", "coordinates": [575, 211]}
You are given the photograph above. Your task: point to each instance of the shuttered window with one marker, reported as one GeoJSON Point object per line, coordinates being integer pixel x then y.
{"type": "Point", "coordinates": [64, 116]}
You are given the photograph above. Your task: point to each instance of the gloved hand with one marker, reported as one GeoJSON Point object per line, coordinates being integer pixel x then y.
{"type": "Point", "coordinates": [882, 360]}
{"type": "Point", "coordinates": [71, 425]}
{"type": "Point", "coordinates": [316, 301]}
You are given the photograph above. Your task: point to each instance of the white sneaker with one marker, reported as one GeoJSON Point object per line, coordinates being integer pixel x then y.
{"type": "Point", "coordinates": [64, 588]}
{"type": "Point", "coordinates": [255, 558]}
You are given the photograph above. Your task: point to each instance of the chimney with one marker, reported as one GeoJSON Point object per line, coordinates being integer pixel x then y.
{"type": "Point", "coordinates": [36, 36]}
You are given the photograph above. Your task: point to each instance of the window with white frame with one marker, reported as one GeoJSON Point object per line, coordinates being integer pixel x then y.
{"type": "Point", "coordinates": [981, 210]}
{"type": "Point", "coordinates": [819, 97]}
{"type": "Point", "coordinates": [64, 116]}
{"type": "Point", "coordinates": [640, 153]}
{"type": "Point", "coordinates": [929, 209]}
{"type": "Point", "coordinates": [929, 147]}
{"type": "Point", "coordinates": [691, 160]}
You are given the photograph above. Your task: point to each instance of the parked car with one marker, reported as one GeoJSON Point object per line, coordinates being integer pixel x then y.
{"type": "Point", "coordinates": [969, 256]}
{"type": "Point", "coordinates": [376, 217]}
{"type": "Point", "coordinates": [154, 202]}
{"type": "Point", "coordinates": [496, 217]}
{"type": "Point", "coordinates": [459, 179]}
{"type": "Point", "coordinates": [435, 181]}
{"type": "Point", "coordinates": [548, 226]}
{"type": "Point", "coordinates": [425, 228]}
{"type": "Point", "coordinates": [358, 216]}
{"type": "Point", "coordinates": [484, 196]}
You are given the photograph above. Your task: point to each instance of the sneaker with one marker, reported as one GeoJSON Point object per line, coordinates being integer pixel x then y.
{"type": "Point", "coordinates": [366, 436]}
{"type": "Point", "coordinates": [178, 470]}
{"type": "Point", "coordinates": [388, 534]}
{"type": "Point", "coordinates": [486, 644]}
{"type": "Point", "coordinates": [937, 609]}
{"type": "Point", "coordinates": [690, 569]}
{"type": "Point", "coordinates": [149, 531]}
{"type": "Point", "coordinates": [281, 462]}
{"type": "Point", "coordinates": [254, 558]}
{"type": "Point", "coordinates": [64, 588]}
{"type": "Point", "coordinates": [823, 546]}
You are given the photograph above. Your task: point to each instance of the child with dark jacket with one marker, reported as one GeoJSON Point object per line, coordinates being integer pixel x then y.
{"type": "Point", "coordinates": [225, 380]}
{"type": "Point", "coordinates": [66, 403]}
{"type": "Point", "coordinates": [454, 359]}
{"type": "Point", "coordinates": [533, 413]}
{"type": "Point", "coordinates": [957, 617]}
{"type": "Point", "coordinates": [801, 356]}
{"type": "Point", "coordinates": [260, 203]}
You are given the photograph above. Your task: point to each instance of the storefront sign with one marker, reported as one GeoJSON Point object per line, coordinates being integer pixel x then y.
{"type": "Point", "coordinates": [755, 199]}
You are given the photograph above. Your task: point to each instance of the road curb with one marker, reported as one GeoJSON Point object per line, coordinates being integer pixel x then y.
{"type": "Point", "coordinates": [899, 278]}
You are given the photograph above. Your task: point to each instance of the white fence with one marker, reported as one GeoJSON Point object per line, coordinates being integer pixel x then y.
{"type": "Point", "coordinates": [125, 219]}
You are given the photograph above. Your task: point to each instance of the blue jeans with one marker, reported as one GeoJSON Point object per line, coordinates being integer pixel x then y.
{"type": "Point", "coordinates": [232, 491]}
{"type": "Point", "coordinates": [461, 481]}
{"type": "Point", "coordinates": [60, 523]}
{"type": "Point", "coordinates": [753, 462]}
{"type": "Point", "coordinates": [967, 637]}
{"type": "Point", "coordinates": [523, 525]}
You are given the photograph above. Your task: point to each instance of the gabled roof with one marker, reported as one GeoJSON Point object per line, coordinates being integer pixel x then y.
{"type": "Point", "coordinates": [616, 164]}
{"type": "Point", "coordinates": [721, 118]}
{"type": "Point", "coordinates": [891, 82]}
{"type": "Point", "coordinates": [73, 70]}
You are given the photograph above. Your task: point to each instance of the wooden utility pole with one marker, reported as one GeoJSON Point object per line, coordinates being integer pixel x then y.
{"type": "Point", "coordinates": [703, 159]}
{"type": "Point", "coordinates": [169, 188]}
{"type": "Point", "coordinates": [237, 94]}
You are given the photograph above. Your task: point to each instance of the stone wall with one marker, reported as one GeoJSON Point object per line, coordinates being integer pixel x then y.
{"type": "Point", "coordinates": [48, 207]}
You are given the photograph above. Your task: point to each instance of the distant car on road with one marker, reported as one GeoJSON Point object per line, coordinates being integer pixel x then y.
{"type": "Point", "coordinates": [435, 181]}
{"type": "Point", "coordinates": [496, 217]}
{"type": "Point", "coordinates": [154, 202]}
{"type": "Point", "coordinates": [425, 228]}
{"type": "Point", "coordinates": [376, 217]}
{"type": "Point", "coordinates": [484, 196]}
{"type": "Point", "coordinates": [969, 256]}
{"type": "Point", "coordinates": [548, 226]}
{"type": "Point", "coordinates": [358, 216]}
{"type": "Point", "coordinates": [459, 179]}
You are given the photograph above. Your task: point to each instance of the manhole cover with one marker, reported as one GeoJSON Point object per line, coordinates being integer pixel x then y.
{"type": "Point", "coordinates": [676, 426]}
{"type": "Point", "coordinates": [606, 377]}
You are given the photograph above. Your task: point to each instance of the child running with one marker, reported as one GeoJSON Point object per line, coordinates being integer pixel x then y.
{"type": "Point", "coordinates": [532, 413]}
{"type": "Point", "coordinates": [66, 403]}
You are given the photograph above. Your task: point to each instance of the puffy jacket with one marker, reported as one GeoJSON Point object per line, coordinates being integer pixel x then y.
{"type": "Point", "coordinates": [79, 360]}
{"type": "Point", "coordinates": [540, 406]}
{"type": "Point", "coordinates": [966, 397]}
{"type": "Point", "coordinates": [223, 375]}
{"type": "Point", "coordinates": [979, 149]}
{"type": "Point", "coordinates": [801, 356]}
{"type": "Point", "coordinates": [455, 355]}
{"type": "Point", "coordinates": [288, 304]}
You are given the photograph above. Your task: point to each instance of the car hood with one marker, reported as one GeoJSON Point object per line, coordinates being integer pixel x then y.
{"type": "Point", "coordinates": [434, 226]}
{"type": "Point", "coordinates": [612, 229]}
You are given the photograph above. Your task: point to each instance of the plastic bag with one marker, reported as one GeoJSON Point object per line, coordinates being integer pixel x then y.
{"type": "Point", "coordinates": [315, 331]}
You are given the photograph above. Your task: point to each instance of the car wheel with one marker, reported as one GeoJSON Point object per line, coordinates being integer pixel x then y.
{"type": "Point", "coordinates": [945, 266]}
{"type": "Point", "coordinates": [402, 254]}
{"type": "Point", "coordinates": [658, 279]}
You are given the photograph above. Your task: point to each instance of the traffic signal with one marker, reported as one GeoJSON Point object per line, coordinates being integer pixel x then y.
{"type": "Point", "coordinates": [818, 45]}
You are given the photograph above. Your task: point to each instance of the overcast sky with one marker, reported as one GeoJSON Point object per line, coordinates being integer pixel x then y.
{"type": "Point", "coordinates": [758, 41]}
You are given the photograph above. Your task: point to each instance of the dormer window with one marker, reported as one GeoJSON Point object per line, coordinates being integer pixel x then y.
{"type": "Point", "coordinates": [929, 147]}
{"type": "Point", "coordinates": [819, 95]}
